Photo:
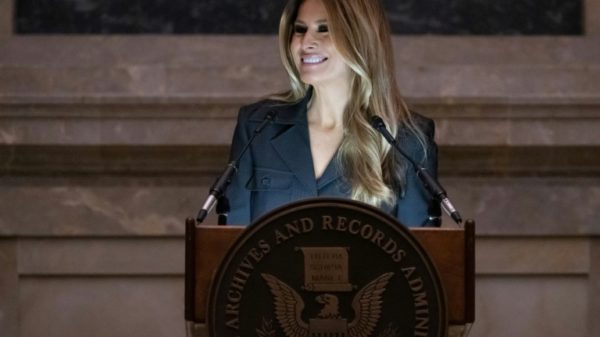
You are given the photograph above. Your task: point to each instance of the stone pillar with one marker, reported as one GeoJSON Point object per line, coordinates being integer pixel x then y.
{"type": "Point", "coordinates": [594, 289]}
{"type": "Point", "coordinates": [592, 17]}
{"type": "Point", "coordinates": [6, 17]}
{"type": "Point", "coordinates": [9, 288]}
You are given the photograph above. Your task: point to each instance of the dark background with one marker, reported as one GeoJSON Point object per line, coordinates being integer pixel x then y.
{"type": "Point", "coordinates": [444, 17]}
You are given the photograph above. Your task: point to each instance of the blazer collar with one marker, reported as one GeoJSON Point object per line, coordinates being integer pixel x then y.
{"type": "Point", "coordinates": [293, 146]}
{"type": "Point", "coordinates": [287, 113]}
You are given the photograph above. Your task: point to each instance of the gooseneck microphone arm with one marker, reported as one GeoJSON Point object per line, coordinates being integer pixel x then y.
{"type": "Point", "coordinates": [432, 186]}
{"type": "Point", "coordinates": [220, 185]}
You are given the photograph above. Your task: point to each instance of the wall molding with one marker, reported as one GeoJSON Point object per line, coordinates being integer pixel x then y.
{"type": "Point", "coordinates": [203, 160]}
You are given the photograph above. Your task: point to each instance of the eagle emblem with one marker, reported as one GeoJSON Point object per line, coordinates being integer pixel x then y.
{"type": "Point", "coordinates": [366, 304]}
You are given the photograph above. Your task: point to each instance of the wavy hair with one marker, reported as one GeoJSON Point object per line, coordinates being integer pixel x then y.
{"type": "Point", "coordinates": [360, 32]}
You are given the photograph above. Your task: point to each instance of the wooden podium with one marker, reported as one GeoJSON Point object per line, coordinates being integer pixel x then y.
{"type": "Point", "coordinates": [452, 251]}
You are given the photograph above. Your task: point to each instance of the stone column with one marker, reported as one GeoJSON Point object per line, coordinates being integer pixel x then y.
{"type": "Point", "coordinates": [6, 17]}
{"type": "Point", "coordinates": [594, 289]}
{"type": "Point", "coordinates": [9, 288]}
{"type": "Point", "coordinates": [592, 17]}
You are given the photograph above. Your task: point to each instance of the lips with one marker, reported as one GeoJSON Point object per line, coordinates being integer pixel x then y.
{"type": "Point", "coordinates": [313, 59]}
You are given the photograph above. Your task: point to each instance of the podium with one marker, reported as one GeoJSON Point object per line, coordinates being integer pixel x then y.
{"type": "Point", "coordinates": [450, 249]}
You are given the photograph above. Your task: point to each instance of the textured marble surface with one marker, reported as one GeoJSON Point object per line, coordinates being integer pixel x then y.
{"type": "Point", "coordinates": [523, 300]}
{"type": "Point", "coordinates": [127, 208]}
{"type": "Point", "coordinates": [526, 306]}
{"type": "Point", "coordinates": [520, 206]}
{"type": "Point", "coordinates": [506, 17]}
{"type": "Point", "coordinates": [108, 256]}
{"type": "Point", "coordinates": [501, 206]}
{"type": "Point", "coordinates": [154, 90]}
{"type": "Point", "coordinates": [516, 131]}
{"type": "Point", "coordinates": [100, 307]}
{"type": "Point", "coordinates": [6, 18]}
{"type": "Point", "coordinates": [158, 131]}
{"type": "Point", "coordinates": [9, 285]}
{"type": "Point", "coordinates": [592, 24]}
{"type": "Point", "coordinates": [594, 287]}
{"type": "Point", "coordinates": [122, 256]}
{"type": "Point", "coordinates": [457, 123]}
{"type": "Point", "coordinates": [518, 81]}
{"type": "Point", "coordinates": [220, 50]}
{"type": "Point", "coordinates": [555, 256]}
{"type": "Point", "coordinates": [510, 69]}
{"type": "Point", "coordinates": [197, 163]}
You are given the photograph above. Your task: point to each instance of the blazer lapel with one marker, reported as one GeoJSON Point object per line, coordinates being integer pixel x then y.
{"type": "Point", "coordinates": [293, 147]}
{"type": "Point", "coordinates": [293, 144]}
{"type": "Point", "coordinates": [332, 173]}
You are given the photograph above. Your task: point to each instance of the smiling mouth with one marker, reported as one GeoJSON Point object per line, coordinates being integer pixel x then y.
{"type": "Point", "coordinates": [313, 60]}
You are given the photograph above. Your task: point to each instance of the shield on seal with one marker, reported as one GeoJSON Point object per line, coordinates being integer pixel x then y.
{"type": "Point", "coordinates": [326, 267]}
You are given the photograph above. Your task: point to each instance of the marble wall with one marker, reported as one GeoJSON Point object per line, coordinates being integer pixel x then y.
{"type": "Point", "coordinates": [107, 143]}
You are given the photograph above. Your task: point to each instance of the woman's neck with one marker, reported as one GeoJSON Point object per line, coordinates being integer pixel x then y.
{"type": "Point", "coordinates": [327, 107]}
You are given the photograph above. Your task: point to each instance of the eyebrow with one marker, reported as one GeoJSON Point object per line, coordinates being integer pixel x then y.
{"type": "Point", "coordinates": [317, 22]}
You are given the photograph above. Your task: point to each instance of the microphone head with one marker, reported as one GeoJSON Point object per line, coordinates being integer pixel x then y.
{"type": "Point", "coordinates": [377, 122]}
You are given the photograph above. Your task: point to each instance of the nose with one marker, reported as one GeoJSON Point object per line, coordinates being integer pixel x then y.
{"type": "Point", "coordinates": [309, 41]}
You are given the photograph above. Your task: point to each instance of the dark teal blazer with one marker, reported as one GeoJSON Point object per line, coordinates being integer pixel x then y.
{"type": "Point", "coordinates": [277, 168]}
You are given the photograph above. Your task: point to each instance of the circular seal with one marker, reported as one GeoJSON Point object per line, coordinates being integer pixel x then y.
{"type": "Point", "coordinates": [326, 267]}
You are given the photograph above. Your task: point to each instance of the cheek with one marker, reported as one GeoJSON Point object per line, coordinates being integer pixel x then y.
{"type": "Point", "coordinates": [295, 49]}
{"type": "Point", "coordinates": [295, 42]}
{"type": "Point", "coordinates": [337, 57]}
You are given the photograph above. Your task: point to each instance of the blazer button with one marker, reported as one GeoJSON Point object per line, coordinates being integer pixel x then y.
{"type": "Point", "coordinates": [266, 181]}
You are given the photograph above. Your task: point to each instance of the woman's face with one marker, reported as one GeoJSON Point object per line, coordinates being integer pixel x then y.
{"type": "Point", "coordinates": [315, 55]}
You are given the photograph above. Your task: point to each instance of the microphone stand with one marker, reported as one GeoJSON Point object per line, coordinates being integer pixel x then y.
{"type": "Point", "coordinates": [217, 190]}
{"type": "Point", "coordinates": [222, 210]}
{"type": "Point", "coordinates": [430, 184]}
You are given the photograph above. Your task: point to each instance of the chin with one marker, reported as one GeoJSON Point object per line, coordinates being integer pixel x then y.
{"type": "Point", "coordinates": [312, 79]}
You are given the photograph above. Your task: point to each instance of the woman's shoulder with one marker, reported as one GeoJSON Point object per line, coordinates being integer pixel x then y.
{"type": "Point", "coordinates": [285, 112]}
{"type": "Point", "coordinates": [259, 109]}
{"type": "Point", "coordinates": [426, 124]}
{"type": "Point", "coordinates": [414, 142]}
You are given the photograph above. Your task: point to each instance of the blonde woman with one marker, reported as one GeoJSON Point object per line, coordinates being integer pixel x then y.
{"type": "Point", "coordinates": [339, 59]}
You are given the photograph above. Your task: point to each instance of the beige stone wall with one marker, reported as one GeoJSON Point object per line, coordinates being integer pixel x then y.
{"type": "Point", "coordinates": [6, 10]}
{"type": "Point", "coordinates": [592, 13]}
{"type": "Point", "coordinates": [108, 142]}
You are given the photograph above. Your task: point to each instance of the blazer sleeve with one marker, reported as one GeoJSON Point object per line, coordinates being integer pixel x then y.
{"type": "Point", "coordinates": [415, 207]}
{"type": "Point", "coordinates": [237, 193]}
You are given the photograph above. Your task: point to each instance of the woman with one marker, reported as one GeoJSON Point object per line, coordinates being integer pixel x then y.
{"type": "Point", "coordinates": [339, 59]}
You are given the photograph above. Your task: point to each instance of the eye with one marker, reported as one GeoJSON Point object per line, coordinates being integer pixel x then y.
{"type": "Point", "coordinates": [322, 28]}
{"type": "Point", "coordinates": [299, 29]}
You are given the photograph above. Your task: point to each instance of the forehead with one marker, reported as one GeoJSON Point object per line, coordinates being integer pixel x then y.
{"type": "Point", "coordinates": [311, 10]}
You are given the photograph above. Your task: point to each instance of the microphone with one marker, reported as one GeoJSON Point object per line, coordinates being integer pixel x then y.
{"type": "Point", "coordinates": [220, 185]}
{"type": "Point", "coordinates": [432, 186]}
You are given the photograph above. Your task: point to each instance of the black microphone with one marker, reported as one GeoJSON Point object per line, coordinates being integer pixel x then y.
{"type": "Point", "coordinates": [432, 186]}
{"type": "Point", "coordinates": [218, 188]}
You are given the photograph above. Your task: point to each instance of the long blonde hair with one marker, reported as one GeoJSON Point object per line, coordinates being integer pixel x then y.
{"type": "Point", "coordinates": [361, 34]}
